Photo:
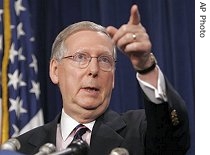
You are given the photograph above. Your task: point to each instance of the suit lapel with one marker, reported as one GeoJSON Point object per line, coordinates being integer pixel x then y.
{"type": "Point", "coordinates": [47, 135]}
{"type": "Point", "coordinates": [105, 135]}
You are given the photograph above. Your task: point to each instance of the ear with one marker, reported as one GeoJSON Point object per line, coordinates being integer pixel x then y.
{"type": "Point", "coordinates": [53, 71]}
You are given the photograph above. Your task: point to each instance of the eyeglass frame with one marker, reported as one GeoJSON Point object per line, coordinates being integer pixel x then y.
{"type": "Point", "coordinates": [89, 58]}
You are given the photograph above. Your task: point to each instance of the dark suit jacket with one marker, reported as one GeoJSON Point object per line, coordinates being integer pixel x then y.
{"type": "Point", "coordinates": [158, 130]}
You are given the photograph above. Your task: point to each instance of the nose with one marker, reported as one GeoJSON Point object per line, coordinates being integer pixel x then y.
{"type": "Point", "coordinates": [93, 67]}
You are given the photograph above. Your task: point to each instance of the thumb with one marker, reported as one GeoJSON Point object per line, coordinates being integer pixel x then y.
{"type": "Point", "coordinates": [111, 30]}
{"type": "Point", "coordinates": [134, 16]}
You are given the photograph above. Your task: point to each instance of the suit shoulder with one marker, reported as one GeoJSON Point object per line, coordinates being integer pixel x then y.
{"type": "Point", "coordinates": [128, 117]}
{"type": "Point", "coordinates": [134, 114]}
{"type": "Point", "coordinates": [34, 132]}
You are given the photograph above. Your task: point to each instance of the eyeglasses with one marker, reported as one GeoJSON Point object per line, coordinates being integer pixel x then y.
{"type": "Point", "coordinates": [82, 60]}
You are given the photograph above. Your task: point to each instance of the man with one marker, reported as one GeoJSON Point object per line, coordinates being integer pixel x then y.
{"type": "Point", "coordinates": [83, 65]}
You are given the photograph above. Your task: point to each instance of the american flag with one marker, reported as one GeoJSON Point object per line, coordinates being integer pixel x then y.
{"type": "Point", "coordinates": [22, 85]}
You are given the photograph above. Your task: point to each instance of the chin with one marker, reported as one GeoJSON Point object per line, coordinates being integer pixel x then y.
{"type": "Point", "coordinates": [98, 108]}
{"type": "Point", "coordinates": [90, 106]}
{"type": "Point", "coordinates": [92, 114]}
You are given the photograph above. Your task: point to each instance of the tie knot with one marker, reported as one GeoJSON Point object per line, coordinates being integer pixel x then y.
{"type": "Point", "coordinates": [79, 130]}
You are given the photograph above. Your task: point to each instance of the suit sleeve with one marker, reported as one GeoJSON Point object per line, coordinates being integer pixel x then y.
{"type": "Point", "coordinates": [167, 125]}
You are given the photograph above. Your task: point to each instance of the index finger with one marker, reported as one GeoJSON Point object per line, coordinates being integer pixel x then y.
{"type": "Point", "coordinates": [134, 16]}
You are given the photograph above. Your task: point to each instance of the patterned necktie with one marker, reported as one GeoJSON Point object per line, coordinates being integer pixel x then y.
{"type": "Point", "coordinates": [79, 131]}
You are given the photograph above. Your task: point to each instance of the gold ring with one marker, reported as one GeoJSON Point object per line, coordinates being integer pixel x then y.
{"type": "Point", "coordinates": [134, 36]}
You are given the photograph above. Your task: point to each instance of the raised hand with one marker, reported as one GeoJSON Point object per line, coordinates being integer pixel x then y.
{"type": "Point", "coordinates": [133, 39]}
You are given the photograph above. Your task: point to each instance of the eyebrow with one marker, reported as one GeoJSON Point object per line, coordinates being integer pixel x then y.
{"type": "Point", "coordinates": [83, 50]}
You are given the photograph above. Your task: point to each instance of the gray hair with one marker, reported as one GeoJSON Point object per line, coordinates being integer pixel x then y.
{"type": "Point", "coordinates": [58, 48]}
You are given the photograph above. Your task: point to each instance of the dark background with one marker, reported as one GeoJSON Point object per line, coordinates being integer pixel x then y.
{"type": "Point", "coordinates": [170, 24]}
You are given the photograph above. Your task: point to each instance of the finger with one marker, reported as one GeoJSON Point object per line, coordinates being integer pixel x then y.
{"type": "Point", "coordinates": [134, 16]}
{"type": "Point", "coordinates": [138, 47]}
{"type": "Point", "coordinates": [126, 39]}
{"type": "Point", "coordinates": [111, 30]}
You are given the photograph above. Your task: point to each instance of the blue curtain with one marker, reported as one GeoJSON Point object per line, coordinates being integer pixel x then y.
{"type": "Point", "coordinates": [170, 24]}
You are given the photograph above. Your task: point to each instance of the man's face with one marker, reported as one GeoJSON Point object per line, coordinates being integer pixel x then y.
{"type": "Point", "coordinates": [85, 92]}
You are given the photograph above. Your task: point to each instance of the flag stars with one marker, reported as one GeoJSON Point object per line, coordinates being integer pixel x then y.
{"type": "Point", "coordinates": [35, 89]}
{"type": "Point", "coordinates": [16, 80]}
{"type": "Point", "coordinates": [22, 69]}
{"type": "Point", "coordinates": [20, 31]}
{"type": "Point", "coordinates": [32, 39]}
{"type": "Point", "coordinates": [20, 55]}
{"type": "Point", "coordinates": [16, 130]}
{"type": "Point", "coordinates": [17, 106]}
{"type": "Point", "coordinates": [13, 53]}
{"type": "Point", "coordinates": [33, 64]}
{"type": "Point", "coordinates": [19, 7]}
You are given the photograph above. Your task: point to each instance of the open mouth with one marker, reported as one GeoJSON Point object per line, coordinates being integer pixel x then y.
{"type": "Point", "coordinates": [91, 89]}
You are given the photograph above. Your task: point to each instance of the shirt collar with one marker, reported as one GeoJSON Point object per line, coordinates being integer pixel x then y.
{"type": "Point", "coordinates": [68, 124]}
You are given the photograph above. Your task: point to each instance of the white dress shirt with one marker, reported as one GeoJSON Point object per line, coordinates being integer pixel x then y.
{"type": "Point", "coordinates": [156, 95]}
{"type": "Point", "coordinates": [65, 133]}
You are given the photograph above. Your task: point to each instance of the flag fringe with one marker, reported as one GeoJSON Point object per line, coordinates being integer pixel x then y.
{"type": "Point", "coordinates": [7, 43]}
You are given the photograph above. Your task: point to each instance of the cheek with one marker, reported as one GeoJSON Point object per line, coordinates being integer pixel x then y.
{"type": "Point", "coordinates": [108, 82]}
{"type": "Point", "coordinates": [68, 81]}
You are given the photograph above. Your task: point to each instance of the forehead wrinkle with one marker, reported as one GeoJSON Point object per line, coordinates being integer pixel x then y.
{"type": "Point", "coordinates": [99, 47]}
{"type": "Point", "coordinates": [93, 50]}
